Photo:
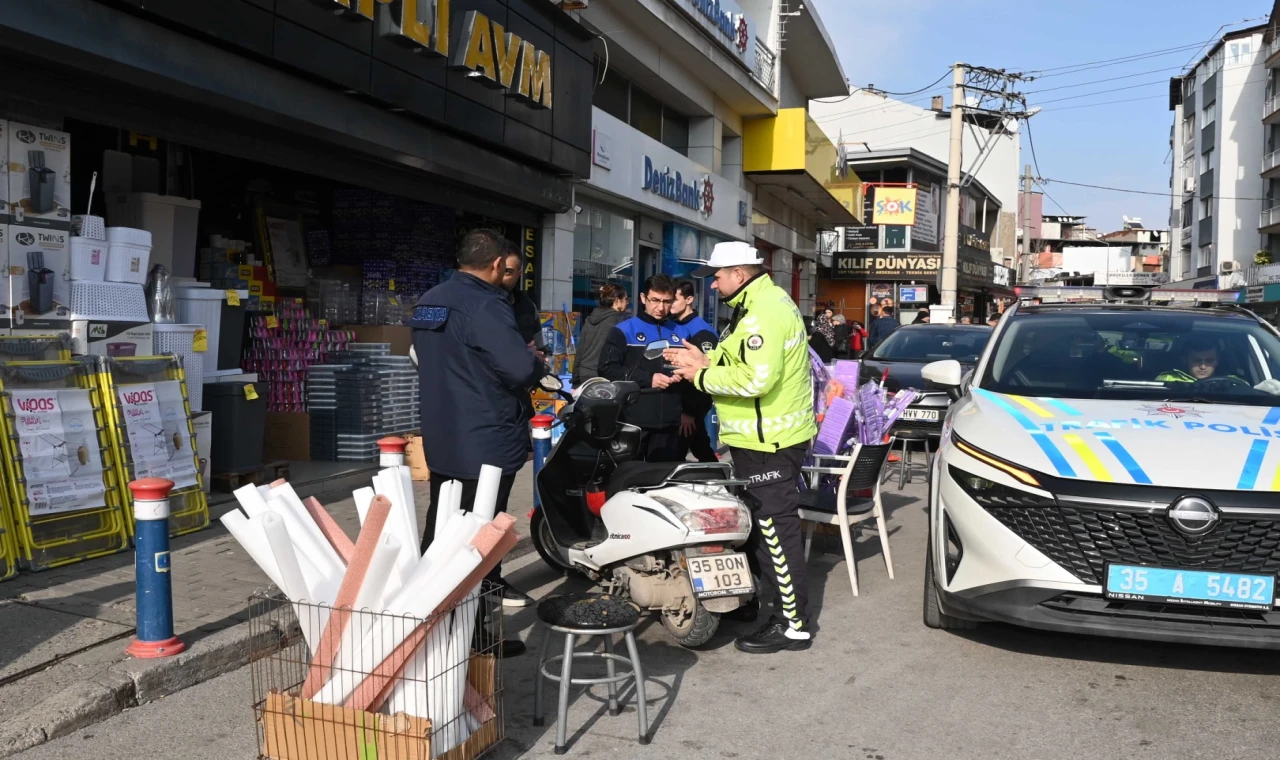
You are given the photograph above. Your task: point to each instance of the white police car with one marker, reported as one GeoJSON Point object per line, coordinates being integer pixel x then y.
{"type": "Point", "coordinates": [1112, 468]}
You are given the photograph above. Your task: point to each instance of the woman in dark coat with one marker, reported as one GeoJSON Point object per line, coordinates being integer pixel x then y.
{"type": "Point", "coordinates": [611, 311]}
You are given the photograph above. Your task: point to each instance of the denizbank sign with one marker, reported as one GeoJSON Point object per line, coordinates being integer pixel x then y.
{"type": "Point", "coordinates": [494, 56]}
{"type": "Point", "coordinates": [698, 195]}
{"type": "Point", "coordinates": [729, 20]}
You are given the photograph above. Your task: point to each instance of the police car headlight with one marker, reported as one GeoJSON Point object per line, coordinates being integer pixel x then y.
{"type": "Point", "coordinates": [988, 493]}
{"type": "Point", "coordinates": [1018, 473]}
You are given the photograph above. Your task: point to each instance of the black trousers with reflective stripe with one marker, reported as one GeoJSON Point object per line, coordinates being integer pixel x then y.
{"type": "Point", "coordinates": [777, 542]}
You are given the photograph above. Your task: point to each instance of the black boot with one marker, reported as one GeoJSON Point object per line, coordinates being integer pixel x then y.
{"type": "Point", "coordinates": [773, 637]}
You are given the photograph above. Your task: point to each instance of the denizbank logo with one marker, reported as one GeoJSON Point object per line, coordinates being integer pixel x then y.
{"type": "Point", "coordinates": [672, 186]}
{"type": "Point", "coordinates": [732, 25]}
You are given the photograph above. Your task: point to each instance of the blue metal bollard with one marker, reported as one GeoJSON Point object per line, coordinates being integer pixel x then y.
{"type": "Point", "coordinates": [151, 568]}
{"type": "Point", "coordinates": [542, 424]}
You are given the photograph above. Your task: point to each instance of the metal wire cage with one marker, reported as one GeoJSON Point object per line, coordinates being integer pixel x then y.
{"type": "Point", "coordinates": [398, 687]}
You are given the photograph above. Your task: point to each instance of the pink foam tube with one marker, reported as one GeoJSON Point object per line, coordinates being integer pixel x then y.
{"type": "Point", "coordinates": [493, 542]}
{"type": "Point", "coordinates": [322, 660]}
{"type": "Point", "coordinates": [332, 531]}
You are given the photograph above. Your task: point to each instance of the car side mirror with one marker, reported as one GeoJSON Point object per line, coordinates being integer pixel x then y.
{"type": "Point", "coordinates": [946, 374]}
{"type": "Point", "coordinates": [654, 350]}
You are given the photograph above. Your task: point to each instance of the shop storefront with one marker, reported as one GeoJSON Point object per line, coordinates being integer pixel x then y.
{"type": "Point", "coordinates": [983, 287]}
{"type": "Point", "coordinates": [857, 280]}
{"type": "Point", "coordinates": [648, 209]}
{"type": "Point", "coordinates": [306, 169]}
{"type": "Point", "coordinates": [1264, 300]}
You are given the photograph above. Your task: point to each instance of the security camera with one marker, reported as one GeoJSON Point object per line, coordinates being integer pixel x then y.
{"type": "Point", "coordinates": [577, 209]}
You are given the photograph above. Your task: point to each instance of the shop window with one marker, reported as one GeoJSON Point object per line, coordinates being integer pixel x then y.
{"type": "Point", "coordinates": [603, 252]}
{"type": "Point", "coordinates": [613, 96]}
{"type": "Point", "coordinates": [675, 131]}
{"type": "Point", "coordinates": [646, 113]}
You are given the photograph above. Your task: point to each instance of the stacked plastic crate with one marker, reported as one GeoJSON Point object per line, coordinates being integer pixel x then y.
{"type": "Point", "coordinates": [362, 395]}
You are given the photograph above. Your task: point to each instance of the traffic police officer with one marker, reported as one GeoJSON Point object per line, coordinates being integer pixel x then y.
{"type": "Point", "coordinates": [760, 380]}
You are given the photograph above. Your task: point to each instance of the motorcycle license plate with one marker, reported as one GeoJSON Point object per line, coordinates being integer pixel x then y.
{"type": "Point", "coordinates": [719, 575]}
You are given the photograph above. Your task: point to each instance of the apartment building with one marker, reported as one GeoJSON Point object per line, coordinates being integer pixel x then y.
{"type": "Point", "coordinates": [699, 136]}
{"type": "Point", "coordinates": [1218, 152]}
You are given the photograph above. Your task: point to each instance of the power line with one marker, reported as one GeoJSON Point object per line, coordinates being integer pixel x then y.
{"type": "Point", "coordinates": [867, 109]}
{"type": "Point", "coordinates": [1036, 160]}
{"type": "Point", "coordinates": [1044, 180]}
{"type": "Point", "coordinates": [1103, 103]}
{"type": "Point", "coordinates": [1102, 92]}
{"type": "Point", "coordinates": [945, 74]}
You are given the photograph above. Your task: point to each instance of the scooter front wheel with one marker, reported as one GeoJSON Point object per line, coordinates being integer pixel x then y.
{"type": "Point", "coordinates": [545, 543]}
{"type": "Point", "coordinates": [691, 628]}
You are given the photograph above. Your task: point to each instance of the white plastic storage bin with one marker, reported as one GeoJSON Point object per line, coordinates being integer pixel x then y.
{"type": "Point", "coordinates": [171, 220]}
{"type": "Point", "coordinates": [179, 339]}
{"type": "Point", "coordinates": [129, 255]}
{"type": "Point", "coordinates": [88, 259]}
{"type": "Point", "coordinates": [108, 301]}
{"type": "Point", "coordinates": [203, 306]}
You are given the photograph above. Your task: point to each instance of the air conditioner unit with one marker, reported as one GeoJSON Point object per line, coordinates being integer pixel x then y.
{"type": "Point", "coordinates": [1188, 184]}
{"type": "Point", "coordinates": [1226, 268]}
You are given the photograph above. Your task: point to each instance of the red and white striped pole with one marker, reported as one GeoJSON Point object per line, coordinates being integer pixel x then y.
{"type": "Point", "coordinates": [391, 451]}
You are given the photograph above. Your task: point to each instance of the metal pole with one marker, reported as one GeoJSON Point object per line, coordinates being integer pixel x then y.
{"type": "Point", "coordinates": [951, 247]}
{"type": "Point", "coordinates": [154, 596]}
{"type": "Point", "coordinates": [1024, 261]}
{"type": "Point", "coordinates": [391, 451]}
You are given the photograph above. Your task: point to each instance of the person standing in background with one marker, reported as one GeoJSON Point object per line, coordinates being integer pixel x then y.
{"type": "Point", "coordinates": [923, 317]}
{"type": "Point", "coordinates": [595, 330]}
{"type": "Point", "coordinates": [623, 358]}
{"type": "Point", "coordinates": [475, 374]}
{"type": "Point", "coordinates": [528, 323]}
{"type": "Point", "coordinates": [694, 329]}
{"type": "Point", "coordinates": [842, 332]}
{"type": "Point", "coordinates": [883, 326]}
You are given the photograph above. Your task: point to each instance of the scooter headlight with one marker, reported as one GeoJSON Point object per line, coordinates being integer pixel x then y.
{"type": "Point", "coordinates": [732, 518]}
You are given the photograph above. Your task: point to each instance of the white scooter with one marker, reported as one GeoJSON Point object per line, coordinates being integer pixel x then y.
{"type": "Point", "coordinates": [661, 534]}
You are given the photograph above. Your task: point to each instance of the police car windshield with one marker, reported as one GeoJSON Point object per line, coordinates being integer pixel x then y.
{"type": "Point", "coordinates": [1119, 353]}
{"type": "Point", "coordinates": [931, 344]}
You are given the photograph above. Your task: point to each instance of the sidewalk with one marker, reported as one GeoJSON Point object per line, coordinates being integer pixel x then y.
{"type": "Point", "coordinates": [63, 631]}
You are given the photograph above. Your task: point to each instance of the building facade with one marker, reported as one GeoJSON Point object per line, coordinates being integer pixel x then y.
{"type": "Point", "coordinates": [1218, 154]}
{"type": "Point", "coordinates": [684, 104]}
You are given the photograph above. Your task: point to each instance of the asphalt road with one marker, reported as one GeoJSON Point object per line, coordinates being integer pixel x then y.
{"type": "Point", "coordinates": [877, 685]}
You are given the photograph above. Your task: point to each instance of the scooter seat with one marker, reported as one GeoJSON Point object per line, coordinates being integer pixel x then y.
{"type": "Point", "coordinates": [639, 475]}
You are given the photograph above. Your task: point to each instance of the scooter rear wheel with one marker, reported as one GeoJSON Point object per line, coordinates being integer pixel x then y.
{"type": "Point", "coordinates": [694, 630]}
{"type": "Point", "coordinates": [545, 543]}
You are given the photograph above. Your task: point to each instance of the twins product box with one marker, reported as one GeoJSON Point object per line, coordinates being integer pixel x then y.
{"type": "Point", "coordinates": [39, 280]}
{"type": "Point", "coordinates": [39, 161]}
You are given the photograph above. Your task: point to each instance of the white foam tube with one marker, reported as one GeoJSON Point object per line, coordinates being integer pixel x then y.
{"type": "Point", "coordinates": [363, 498]}
{"type": "Point", "coordinates": [250, 500]}
{"type": "Point", "coordinates": [312, 544]}
{"type": "Point", "coordinates": [387, 483]}
{"type": "Point", "coordinates": [311, 619]}
{"type": "Point", "coordinates": [265, 491]}
{"type": "Point", "coordinates": [368, 603]}
{"type": "Point", "coordinates": [251, 538]}
{"type": "Point", "coordinates": [416, 600]}
{"type": "Point", "coordinates": [410, 501]}
{"type": "Point", "coordinates": [486, 501]}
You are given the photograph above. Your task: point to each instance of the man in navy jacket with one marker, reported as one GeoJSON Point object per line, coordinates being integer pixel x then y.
{"type": "Point", "coordinates": [694, 329]}
{"type": "Point", "coordinates": [475, 373]}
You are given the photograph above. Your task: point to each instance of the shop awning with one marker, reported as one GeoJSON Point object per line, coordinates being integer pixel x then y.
{"type": "Point", "coordinates": [790, 153]}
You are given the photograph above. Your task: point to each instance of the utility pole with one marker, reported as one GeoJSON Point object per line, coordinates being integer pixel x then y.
{"type": "Point", "coordinates": [1024, 266]}
{"type": "Point", "coordinates": [955, 162]}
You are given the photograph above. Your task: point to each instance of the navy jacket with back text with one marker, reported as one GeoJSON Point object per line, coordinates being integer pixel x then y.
{"type": "Point", "coordinates": [474, 369]}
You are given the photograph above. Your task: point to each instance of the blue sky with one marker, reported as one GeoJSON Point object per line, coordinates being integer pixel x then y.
{"type": "Point", "coordinates": [904, 45]}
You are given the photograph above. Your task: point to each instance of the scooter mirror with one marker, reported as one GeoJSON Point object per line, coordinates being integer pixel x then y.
{"type": "Point", "coordinates": [550, 383]}
{"type": "Point", "coordinates": [654, 350]}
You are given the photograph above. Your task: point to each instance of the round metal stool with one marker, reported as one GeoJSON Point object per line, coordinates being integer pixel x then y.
{"type": "Point", "coordinates": [585, 616]}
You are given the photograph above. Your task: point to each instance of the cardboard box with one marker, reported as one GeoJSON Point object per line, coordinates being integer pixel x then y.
{"type": "Point", "coordinates": [91, 338]}
{"type": "Point", "coordinates": [39, 176]}
{"type": "Point", "coordinates": [417, 459]}
{"type": "Point", "coordinates": [203, 424]}
{"type": "Point", "coordinates": [288, 437]}
{"type": "Point", "coordinates": [399, 336]}
{"type": "Point", "coordinates": [50, 251]}
{"type": "Point", "coordinates": [299, 729]}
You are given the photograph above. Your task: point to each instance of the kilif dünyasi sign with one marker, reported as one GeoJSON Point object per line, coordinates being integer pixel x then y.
{"type": "Point", "coordinates": [696, 194]}
{"type": "Point", "coordinates": [494, 56]}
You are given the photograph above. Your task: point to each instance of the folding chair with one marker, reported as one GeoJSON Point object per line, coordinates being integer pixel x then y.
{"type": "Point", "coordinates": [860, 470]}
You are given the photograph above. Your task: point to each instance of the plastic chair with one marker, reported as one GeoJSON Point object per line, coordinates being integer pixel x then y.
{"type": "Point", "coordinates": [860, 470]}
{"type": "Point", "coordinates": [584, 616]}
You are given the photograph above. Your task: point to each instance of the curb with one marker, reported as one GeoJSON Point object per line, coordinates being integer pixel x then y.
{"type": "Point", "coordinates": [132, 682]}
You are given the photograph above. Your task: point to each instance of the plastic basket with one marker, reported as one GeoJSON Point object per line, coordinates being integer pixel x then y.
{"type": "Point", "coordinates": [88, 259]}
{"type": "Point", "coordinates": [127, 262]}
{"type": "Point", "coordinates": [179, 339]}
{"type": "Point", "coordinates": [92, 227]}
{"type": "Point", "coordinates": [109, 301]}
{"type": "Point", "coordinates": [203, 306]}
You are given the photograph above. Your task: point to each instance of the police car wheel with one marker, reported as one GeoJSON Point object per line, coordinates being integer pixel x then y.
{"type": "Point", "coordinates": [934, 617]}
{"type": "Point", "coordinates": [545, 543]}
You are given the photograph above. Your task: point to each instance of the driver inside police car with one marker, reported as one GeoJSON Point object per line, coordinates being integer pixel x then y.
{"type": "Point", "coordinates": [1201, 363]}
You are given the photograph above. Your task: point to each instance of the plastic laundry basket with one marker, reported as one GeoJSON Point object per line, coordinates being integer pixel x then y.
{"type": "Point", "coordinates": [130, 254]}
{"type": "Point", "coordinates": [178, 339]}
{"type": "Point", "coordinates": [207, 306]}
{"type": "Point", "coordinates": [88, 259]}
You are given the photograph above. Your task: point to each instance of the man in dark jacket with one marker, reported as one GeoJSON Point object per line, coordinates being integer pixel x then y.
{"type": "Point", "coordinates": [475, 372]}
{"type": "Point", "coordinates": [882, 326]}
{"type": "Point", "coordinates": [694, 329]}
{"type": "Point", "coordinates": [528, 322]}
{"type": "Point", "coordinates": [658, 414]}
